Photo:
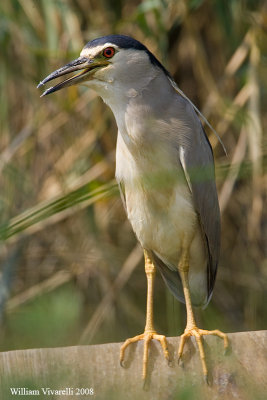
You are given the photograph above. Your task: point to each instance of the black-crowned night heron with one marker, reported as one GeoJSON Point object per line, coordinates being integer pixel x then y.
{"type": "Point", "coordinates": [165, 171]}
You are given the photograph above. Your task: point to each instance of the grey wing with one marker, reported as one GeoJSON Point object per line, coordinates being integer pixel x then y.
{"type": "Point", "coordinates": [196, 158]}
{"type": "Point", "coordinates": [197, 161]}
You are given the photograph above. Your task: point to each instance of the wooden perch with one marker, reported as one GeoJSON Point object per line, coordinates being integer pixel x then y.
{"type": "Point", "coordinates": [239, 375]}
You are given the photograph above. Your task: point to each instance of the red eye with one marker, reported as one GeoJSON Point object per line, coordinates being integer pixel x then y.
{"type": "Point", "coordinates": [109, 52]}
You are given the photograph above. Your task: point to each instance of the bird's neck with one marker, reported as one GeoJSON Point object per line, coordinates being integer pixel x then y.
{"type": "Point", "coordinates": [136, 109]}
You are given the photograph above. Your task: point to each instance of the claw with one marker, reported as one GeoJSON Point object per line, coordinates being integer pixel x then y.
{"type": "Point", "coordinates": [180, 362]}
{"type": "Point", "coordinates": [145, 385]}
{"type": "Point", "coordinates": [227, 351]}
{"type": "Point", "coordinates": [198, 333]}
{"type": "Point", "coordinates": [147, 337]}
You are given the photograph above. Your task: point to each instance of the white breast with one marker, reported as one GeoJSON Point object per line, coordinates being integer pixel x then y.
{"type": "Point", "coordinates": [158, 200]}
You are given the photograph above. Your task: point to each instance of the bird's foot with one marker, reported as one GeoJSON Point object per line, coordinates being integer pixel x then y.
{"type": "Point", "coordinates": [147, 336]}
{"type": "Point", "coordinates": [198, 333]}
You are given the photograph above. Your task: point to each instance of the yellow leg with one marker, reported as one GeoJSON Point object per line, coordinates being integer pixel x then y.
{"type": "Point", "coordinates": [191, 328]}
{"type": "Point", "coordinates": [149, 332]}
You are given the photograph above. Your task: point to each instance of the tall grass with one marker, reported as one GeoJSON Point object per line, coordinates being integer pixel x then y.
{"type": "Point", "coordinates": [59, 211]}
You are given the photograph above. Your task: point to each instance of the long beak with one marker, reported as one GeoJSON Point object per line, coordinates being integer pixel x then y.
{"type": "Point", "coordinates": [83, 64]}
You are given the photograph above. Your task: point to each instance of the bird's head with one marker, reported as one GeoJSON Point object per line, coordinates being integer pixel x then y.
{"type": "Point", "coordinates": [109, 64]}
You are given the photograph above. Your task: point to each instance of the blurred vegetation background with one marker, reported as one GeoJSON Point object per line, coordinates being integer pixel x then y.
{"type": "Point", "coordinates": [71, 269]}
